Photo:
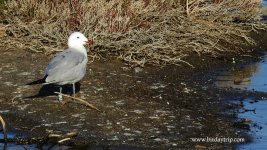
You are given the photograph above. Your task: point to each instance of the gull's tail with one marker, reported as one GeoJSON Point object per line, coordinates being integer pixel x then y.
{"type": "Point", "coordinates": [40, 81]}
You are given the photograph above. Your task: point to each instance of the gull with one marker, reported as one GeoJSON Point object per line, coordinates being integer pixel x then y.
{"type": "Point", "coordinates": [68, 66]}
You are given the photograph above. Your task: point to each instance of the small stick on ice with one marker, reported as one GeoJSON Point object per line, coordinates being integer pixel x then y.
{"type": "Point", "coordinates": [4, 128]}
{"type": "Point", "coordinates": [80, 100]}
{"type": "Point", "coordinates": [63, 140]}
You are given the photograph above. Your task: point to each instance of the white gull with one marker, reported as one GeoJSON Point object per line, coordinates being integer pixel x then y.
{"type": "Point", "coordinates": [68, 66]}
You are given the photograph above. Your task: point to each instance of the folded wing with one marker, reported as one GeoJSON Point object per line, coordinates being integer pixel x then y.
{"type": "Point", "coordinates": [66, 66]}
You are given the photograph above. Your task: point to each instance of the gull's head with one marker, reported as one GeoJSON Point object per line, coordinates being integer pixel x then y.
{"type": "Point", "coordinates": [77, 39]}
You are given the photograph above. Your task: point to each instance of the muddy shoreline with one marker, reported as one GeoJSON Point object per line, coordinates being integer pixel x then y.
{"type": "Point", "coordinates": [151, 107]}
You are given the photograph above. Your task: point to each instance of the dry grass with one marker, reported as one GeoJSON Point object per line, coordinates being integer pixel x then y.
{"type": "Point", "coordinates": [140, 31]}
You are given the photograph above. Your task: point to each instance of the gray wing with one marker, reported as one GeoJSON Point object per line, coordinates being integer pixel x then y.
{"type": "Point", "coordinates": [63, 64]}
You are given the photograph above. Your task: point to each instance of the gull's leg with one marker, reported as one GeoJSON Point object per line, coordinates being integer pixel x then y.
{"type": "Point", "coordinates": [60, 95]}
{"type": "Point", "coordinates": [73, 89]}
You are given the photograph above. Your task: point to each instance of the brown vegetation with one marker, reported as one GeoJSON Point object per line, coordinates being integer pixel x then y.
{"type": "Point", "coordinates": [140, 31]}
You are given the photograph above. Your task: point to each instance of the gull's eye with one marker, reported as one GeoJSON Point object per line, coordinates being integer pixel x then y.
{"type": "Point", "coordinates": [78, 37]}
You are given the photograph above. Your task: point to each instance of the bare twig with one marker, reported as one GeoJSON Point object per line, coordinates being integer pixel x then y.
{"type": "Point", "coordinates": [187, 8]}
{"type": "Point", "coordinates": [81, 101]}
{"type": "Point", "coordinates": [60, 138]}
{"type": "Point", "coordinates": [13, 99]}
{"type": "Point", "coordinates": [63, 140]}
{"type": "Point", "coordinates": [4, 128]}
